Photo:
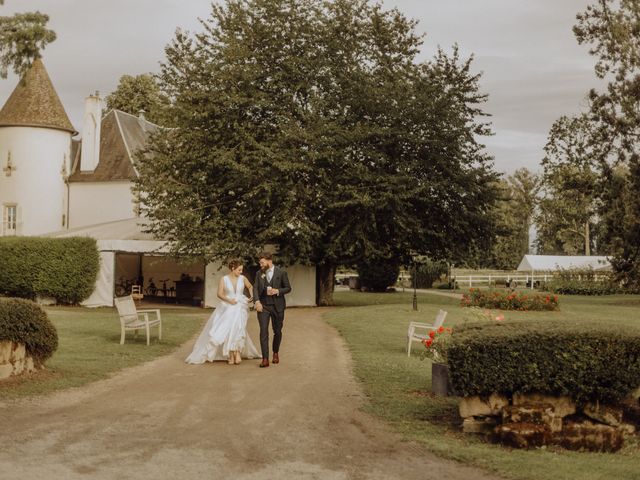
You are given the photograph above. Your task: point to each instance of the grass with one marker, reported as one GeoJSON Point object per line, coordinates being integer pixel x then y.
{"type": "Point", "coordinates": [89, 348]}
{"type": "Point", "coordinates": [374, 327]}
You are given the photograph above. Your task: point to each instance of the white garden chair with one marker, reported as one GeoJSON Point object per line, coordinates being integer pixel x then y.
{"type": "Point", "coordinates": [133, 319]}
{"type": "Point", "coordinates": [414, 334]}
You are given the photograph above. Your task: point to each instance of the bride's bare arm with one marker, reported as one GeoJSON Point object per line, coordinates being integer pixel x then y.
{"type": "Point", "coordinates": [248, 286]}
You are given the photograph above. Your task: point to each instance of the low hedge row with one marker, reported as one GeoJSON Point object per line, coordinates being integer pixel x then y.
{"type": "Point", "coordinates": [23, 321]}
{"type": "Point", "coordinates": [62, 268]}
{"type": "Point", "coordinates": [509, 300]}
{"type": "Point", "coordinates": [582, 360]}
{"type": "Point", "coordinates": [578, 287]}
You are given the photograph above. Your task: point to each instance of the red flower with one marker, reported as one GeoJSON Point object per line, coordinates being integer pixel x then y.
{"type": "Point", "coordinates": [432, 333]}
{"type": "Point", "coordinates": [441, 329]}
{"type": "Point", "coordinates": [429, 342]}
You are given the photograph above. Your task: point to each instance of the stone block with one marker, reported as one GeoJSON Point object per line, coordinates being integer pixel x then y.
{"type": "Point", "coordinates": [607, 414]}
{"type": "Point", "coordinates": [523, 435]}
{"type": "Point", "coordinates": [478, 406]}
{"type": "Point", "coordinates": [18, 352]}
{"type": "Point", "coordinates": [536, 414]}
{"type": "Point", "coordinates": [6, 347]}
{"type": "Point", "coordinates": [562, 406]}
{"type": "Point", "coordinates": [475, 406]}
{"type": "Point", "coordinates": [590, 436]}
{"type": "Point", "coordinates": [484, 425]}
{"type": "Point", "coordinates": [6, 370]}
{"type": "Point", "coordinates": [29, 365]}
{"type": "Point", "coordinates": [18, 367]}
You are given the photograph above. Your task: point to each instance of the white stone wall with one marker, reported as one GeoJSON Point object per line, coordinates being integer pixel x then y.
{"type": "Point", "coordinates": [36, 185]}
{"type": "Point", "coordinates": [92, 203]}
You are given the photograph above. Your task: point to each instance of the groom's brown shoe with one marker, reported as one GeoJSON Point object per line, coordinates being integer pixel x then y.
{"type": "Point", "coordinates": [276, 358]}
{"type": "Point", "coordinates": [265, 363]}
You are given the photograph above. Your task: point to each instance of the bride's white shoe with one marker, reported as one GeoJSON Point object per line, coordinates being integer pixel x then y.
{"type": "Point", "coordinates": [232, 356]}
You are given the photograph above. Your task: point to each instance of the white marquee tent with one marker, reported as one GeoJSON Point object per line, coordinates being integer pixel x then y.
{"type": "Point", "coordinates": [550, 263]}
{"type": "Point", "coordinates": [127, 237]}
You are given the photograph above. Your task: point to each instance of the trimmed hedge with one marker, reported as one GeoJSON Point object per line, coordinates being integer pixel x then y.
{"type": "Point", "coordinates": [62, 268]}
{"type": "Point", "coordinates": [578, 287]}
{"type": "Point", "coordinates": [585, 361]}
{"type": "Point", "coordinates": [26, 322]}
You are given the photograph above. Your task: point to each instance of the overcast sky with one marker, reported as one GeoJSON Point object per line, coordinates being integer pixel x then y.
{"type": "Point", "coordinates": [533, 69]}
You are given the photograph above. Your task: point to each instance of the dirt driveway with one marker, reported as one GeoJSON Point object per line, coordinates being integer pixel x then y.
{"type": "Point", "coordinates": [168, 420]}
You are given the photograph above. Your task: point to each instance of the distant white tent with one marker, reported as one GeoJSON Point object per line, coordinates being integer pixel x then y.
{"type": "Point", "coordinates": [550, 263]}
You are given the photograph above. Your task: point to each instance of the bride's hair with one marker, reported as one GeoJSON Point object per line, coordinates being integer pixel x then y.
{"type": "Point", "coordinates": [233, 264]}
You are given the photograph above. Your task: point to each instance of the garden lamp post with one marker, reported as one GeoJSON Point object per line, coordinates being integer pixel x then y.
{"type": "Point", "coordinates": [413, 277]}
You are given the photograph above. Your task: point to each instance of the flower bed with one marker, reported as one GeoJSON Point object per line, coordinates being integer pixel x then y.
{"type": "Point", "coordinates": [510, 300]}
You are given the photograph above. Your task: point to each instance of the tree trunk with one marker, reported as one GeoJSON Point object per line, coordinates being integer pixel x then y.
{"type": "Point", "coordinates": [587, 239]}
{"type": "Point", "coordinates": [325, 275]}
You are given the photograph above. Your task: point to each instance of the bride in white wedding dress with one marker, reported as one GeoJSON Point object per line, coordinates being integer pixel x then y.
{"type": "Point", "coordinates": [225, 337]}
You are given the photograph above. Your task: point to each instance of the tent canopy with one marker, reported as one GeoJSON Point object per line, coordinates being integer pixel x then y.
{"type": "Point", "coordinates": [549, 263]}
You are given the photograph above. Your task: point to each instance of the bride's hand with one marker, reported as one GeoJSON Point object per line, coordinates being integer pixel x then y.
{"type": "Point", "coordinates": [233, 301]}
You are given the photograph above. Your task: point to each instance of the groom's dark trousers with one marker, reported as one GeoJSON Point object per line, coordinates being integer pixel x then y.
{"type": "Point", "coordinates": [269, 314]}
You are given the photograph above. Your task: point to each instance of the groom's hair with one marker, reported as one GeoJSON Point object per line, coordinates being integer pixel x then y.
{"type": "Point", "coordinates": [266, 256]}
{"type": "Point", "coordinates": [233, 264]}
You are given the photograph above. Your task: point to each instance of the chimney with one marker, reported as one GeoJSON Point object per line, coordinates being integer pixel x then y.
{"type": "Point", "coordinates": [90, 154]}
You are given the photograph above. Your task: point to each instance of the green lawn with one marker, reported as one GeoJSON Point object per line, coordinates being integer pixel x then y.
{"type": "Point", "coordinates": [89, 348]}
{"type": "Point", "coordinates": [375, 325]}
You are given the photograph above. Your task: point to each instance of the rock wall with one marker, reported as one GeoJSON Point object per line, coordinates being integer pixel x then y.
{"type": "Point", "coordinates": [533, 420]}
{"type": "Point", "coordinates": [14, 360]}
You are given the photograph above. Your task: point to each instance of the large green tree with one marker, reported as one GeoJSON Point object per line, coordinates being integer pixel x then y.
{"type": "Point", "coordinates": [612, 29]}
{"type": "Point", "coordinates": [310, 125]}
{"type": "Point", "coordinates": [22, 37]}
{"type": "Point", "coordinates": [140, 93]}
{"type": "Point", "coordinates": [567, 218]}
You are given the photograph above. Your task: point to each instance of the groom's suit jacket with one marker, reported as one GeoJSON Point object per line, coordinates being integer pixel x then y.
{"type": "Point", "coordinates": [280, 280]}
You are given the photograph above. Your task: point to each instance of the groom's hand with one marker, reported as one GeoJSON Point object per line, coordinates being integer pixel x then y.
{"type": "Point", "coordinates": [259, 307]}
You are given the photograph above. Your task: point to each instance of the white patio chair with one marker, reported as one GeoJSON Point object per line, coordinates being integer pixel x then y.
{"type": "Point", "coordinates": [413, 334]}
{"type": "Point", "coordinates": [130, 318]}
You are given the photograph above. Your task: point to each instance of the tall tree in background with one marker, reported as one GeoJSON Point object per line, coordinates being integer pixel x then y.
{"type": "Point", "coordinates": [567, 219]}
{"type": "Point", "coordinates": [140, 93]}
{"type": "Point", "coordinates": [514, 217]}
{"type": "Point", "coordinates": [612, 29]}
{"type": "Point", "coordinates": [309, 125]}
{"type": "Point", "coordinates": [22, 37]}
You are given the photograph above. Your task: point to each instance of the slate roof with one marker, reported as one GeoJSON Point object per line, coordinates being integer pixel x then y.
{"type": "Point", "coordinates": [121, 135]}
{"type": "Point", "coordinates": [35, 103]}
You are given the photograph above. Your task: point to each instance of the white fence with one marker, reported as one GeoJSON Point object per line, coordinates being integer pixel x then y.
{"type": "Point", "coordinates": [497, 279]}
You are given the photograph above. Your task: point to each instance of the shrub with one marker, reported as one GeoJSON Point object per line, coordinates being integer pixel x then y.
{"type": "Point", "coordinates": [509, 300]}
{"type": "Point", "coordinates": [586, 281]}
{"type": "Point", "coordinates": [427, 272]}
{"type": "Point", "coordinates": [582, 360]}
{"type": "Point", "coordinates": [25, 322]}
{"type": "Point", "coordinates": [64, 268]}
{"type": "Point", "coordinates": [378, 274]}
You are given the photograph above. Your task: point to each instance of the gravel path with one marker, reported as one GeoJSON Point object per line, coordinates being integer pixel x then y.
{"type": "Point", "coordinates": [168, 420]}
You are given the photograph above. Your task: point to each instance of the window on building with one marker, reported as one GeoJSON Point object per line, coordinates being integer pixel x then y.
{"type": "Point", "coordinates": [10, 220]}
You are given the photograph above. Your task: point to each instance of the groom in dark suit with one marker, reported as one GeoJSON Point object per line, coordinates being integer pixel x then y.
{"type": "Point", "coordinates": [269, 289]}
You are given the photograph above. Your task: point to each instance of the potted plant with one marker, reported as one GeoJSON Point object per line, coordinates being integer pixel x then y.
{"type": "Point", "coordinates": [435, 349]}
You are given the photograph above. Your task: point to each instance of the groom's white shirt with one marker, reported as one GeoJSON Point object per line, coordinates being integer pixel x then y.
{"type": "Point", "coordinates": [270, 273]}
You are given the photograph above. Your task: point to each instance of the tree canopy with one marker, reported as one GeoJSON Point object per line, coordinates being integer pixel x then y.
{"type": "Point", "coordinates": [22, 37]}
{"type": "Point", "coordinates": [310, 125]}
{"type": "Point", "coordinates": [140, 93]}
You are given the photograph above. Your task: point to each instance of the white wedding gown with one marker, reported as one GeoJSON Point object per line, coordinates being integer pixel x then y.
{"type": "Point", "coordinates": [226, 329]}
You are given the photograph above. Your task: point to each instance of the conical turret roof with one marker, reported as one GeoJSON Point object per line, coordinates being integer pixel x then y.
{"type": "Point", "coordinates": [35, 103]}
